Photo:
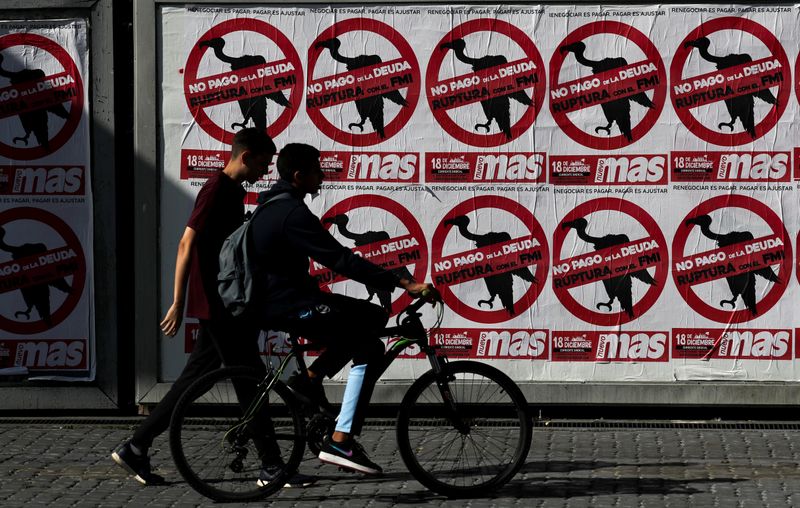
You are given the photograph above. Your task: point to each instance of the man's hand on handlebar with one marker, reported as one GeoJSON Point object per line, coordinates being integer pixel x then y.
{"type": "Point", "coordinates": [421, 290]}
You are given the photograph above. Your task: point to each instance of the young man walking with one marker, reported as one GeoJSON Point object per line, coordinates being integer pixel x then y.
{"type": "Point", "coordinates": [217, 212]}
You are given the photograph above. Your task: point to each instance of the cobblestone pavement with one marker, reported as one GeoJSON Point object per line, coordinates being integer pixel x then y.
{"type": "Point", "coordinates": [46, 464]}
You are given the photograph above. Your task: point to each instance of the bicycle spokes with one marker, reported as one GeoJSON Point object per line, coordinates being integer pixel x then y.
{"type": "Point", "coordinates": [465, 431]}
{"type": "Point", "coordinates": [219, 450]}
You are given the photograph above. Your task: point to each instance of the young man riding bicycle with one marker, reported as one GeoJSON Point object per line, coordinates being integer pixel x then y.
{"type": "Point", "coordinates": [284, 238]}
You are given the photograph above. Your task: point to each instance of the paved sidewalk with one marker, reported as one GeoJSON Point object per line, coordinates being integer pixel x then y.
{"type": "Point", "coordinates": [46, 464]}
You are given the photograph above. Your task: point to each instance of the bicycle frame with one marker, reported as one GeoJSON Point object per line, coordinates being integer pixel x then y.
{"type": "Point", "coordinates": [410, 332]}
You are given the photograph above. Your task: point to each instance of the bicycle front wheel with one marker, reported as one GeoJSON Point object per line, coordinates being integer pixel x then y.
{"type": "Point", "coordinates": [219, 452]}
{"type": "Point", "coordinates": [475, 449]}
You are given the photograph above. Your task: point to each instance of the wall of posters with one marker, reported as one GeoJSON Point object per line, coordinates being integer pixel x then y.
{"type": "Point", "coordinates": [601, 193]}
{"type": "Point", "coordinates": [46, 262]}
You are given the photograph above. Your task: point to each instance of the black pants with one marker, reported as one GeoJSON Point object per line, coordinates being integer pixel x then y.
{"type": "Point", "coordinates": [229, 341]}
{"type": "Point", "coordinates": [348, 329]}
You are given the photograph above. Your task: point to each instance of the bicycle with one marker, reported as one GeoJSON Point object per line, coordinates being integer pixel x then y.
{"type": "Point", "coordinates": [444, 415]}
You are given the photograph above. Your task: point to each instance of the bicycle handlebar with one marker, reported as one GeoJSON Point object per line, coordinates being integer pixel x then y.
{"type": "Point", "coordinates": [415, 306]}
{"type": "Point", "coordinates": [427, 295]}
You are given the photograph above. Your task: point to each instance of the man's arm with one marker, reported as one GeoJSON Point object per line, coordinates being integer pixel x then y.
{"type": "Point", "coordinates": [306, 234]}
{"type": "Point", "coordinates": [172, 320]}
{"type": "Point", "coordinates": [203, 205]}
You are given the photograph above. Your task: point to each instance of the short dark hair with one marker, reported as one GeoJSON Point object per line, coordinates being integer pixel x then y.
{"type": "Point", "coordinates": [296, 157]}
{"type": "Point", "coordinates": [254, 140]}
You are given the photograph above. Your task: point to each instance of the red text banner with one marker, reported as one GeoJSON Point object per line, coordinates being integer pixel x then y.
{"type": "Point", "coordinates": [361, 83]}
{"type": "Point", "coordinates": [488, 343]}
{"type": "Point", "coordinates": [797, 342]}
{"type": "Point", "coordinates": [358, 166]}
{"type": "Point", "coordinates": [628, 169]}
{"type": "Point", "coordinates": [740, 344]}
{"type": "Point", "coordinates": [43, 180]}
{"type": "Point", "coordinates": [486, 261]}
{"type": "Point", "coordinates": [731, 166]}
{"type": "Point", "coordinates": [604, 87]}
{"type": "Point", "coordinates": [34, 95]}
{"type": "Point", "coordinates": [602, 347]}
{"type": "Point", "coordinates": [797, 163]}
{"type": "Point", "coordinates": [497, 81]}
{"type": "Point", "coordinates": [45, 356]}
{"type": "Point", "coordinates": [39, 269]}
{"type": "Point", "coordinates": [479, 167]}
{"type": "Point", "coordinates": [727, 83]}
{"type": "Point", "coordinates": [729, 261]}
{"type": "Point", "coordinates": [604, 264]}
{"type": "Point", "coordinates": [241, 84]}
{"type": "Point", "coordinates": [391, 253]}
{"type": "Point", "coordinates": [202, 163]}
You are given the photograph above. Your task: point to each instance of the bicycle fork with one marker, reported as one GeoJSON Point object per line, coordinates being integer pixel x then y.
{"type": "Point", "coordinates": [443, 383]}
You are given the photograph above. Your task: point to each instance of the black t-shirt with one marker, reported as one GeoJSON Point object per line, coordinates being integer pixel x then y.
{"type": "Point", "coordinates": [218, 211]}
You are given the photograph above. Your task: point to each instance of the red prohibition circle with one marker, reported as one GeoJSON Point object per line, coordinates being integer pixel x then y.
{"type": "Point", "coordinates": [412, 96]}
{"type": "Point", "coordinates": [797, 78]}
{"type": "Point", "coordinates": [525, 43]}
{"type": "Point", "coordinates": [527, 218]}
{"type": "Point", "coordinates": [772, 44]}
{"type": "Point", "coordinates": [659, 92]}
{"type": "Point", "coordinates": [771, 218]}
{"type": "Point", "coordinates": [280, 40]}
{"type": "Point", "coordinates": [661, 269]}
{"type": "Point", "coordinates": [78, 278]}
{"type": "Point", "coordinates": [406, 217]}
{"type": "Point", "coordinates": [797, 261]}
{"type": "Point", "coordinates": [76, 103]}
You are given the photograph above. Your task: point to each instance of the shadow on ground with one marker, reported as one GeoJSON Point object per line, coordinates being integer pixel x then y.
{"type": "Point", "coordinates": [554, 486]}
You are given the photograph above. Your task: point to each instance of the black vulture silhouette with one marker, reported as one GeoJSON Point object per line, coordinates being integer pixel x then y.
{"type": "Point", "coordinates": [616, 287]}
{"type": "Point", "coordinates": [37, 295]}
{"type": "Point", "coordinates": [501, 284]}
{"type": "Point", "coordinates": [496, 108]}
{"type": "Point", "coordinates": [740, 107]}
{"type": "Point", "coordinates": [253, 108]}
{"type": "Point", "coordinates": [366, 238]}
{"type": "Point", "coordinates": [33, 121]}
{"type": "Point", "coordinates": [371, 107]}
{"type": "Point", "coordinates": [618, 110]}
{"type": "Point", "coordinates": [743, 284]}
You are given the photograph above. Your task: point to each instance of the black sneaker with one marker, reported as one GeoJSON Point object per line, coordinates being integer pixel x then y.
{"type": "Point", "coordinates": [349, 455]}
{"type": "Point", "coordinates": [270, 472]}
{"type": "Point", "coordinates": [137, 465]}
{"type": "Point", "coordinates": [310, 392]}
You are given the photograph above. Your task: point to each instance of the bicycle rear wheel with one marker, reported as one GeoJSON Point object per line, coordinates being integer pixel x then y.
{"type": "Point", "coordinates": [489, 447]}
{"type": "Point", "coordinates": [218, 453]}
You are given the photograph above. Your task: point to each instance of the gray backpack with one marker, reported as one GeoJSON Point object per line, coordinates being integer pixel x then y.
{"type": "Point", "coordinates": [237, 281]}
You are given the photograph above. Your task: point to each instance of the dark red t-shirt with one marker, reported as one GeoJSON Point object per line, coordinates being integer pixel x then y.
{"type": "Point", "coordinates": [218, 211]}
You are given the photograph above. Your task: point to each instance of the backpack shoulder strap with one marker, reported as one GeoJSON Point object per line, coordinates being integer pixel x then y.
{"type": "Point", "coordinates": [277, 197]}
